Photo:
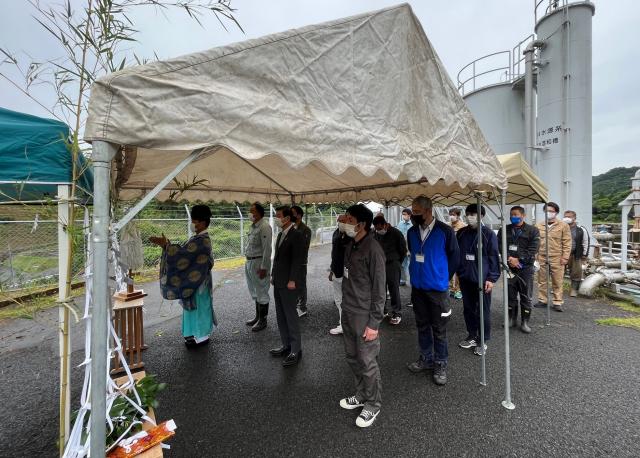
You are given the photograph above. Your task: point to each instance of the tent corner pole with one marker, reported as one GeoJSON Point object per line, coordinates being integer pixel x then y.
{"type": "Point", "coordinates": [548, 264]}
{"type": "Point", "coordinates": [483, 362]}
{"type": "Point", "coordinates": [64, 338]}
{"type": "Point", "coordinates": [507, 402]}
{"type": "Point", "coordinates": [103, 153]}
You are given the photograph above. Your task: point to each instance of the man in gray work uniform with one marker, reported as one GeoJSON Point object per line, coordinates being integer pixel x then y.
{"type": "Point", "coordinates": [363, 298]}
{"type": "Point", "coordinates": [258, 266]}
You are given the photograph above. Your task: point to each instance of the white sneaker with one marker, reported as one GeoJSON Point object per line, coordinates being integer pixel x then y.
{"type": "Point", "coordinates": [350, 403]}
{"type": "Point", "coordinates": [366, 418]}
{"type": "Point", "coordinates": [336, 331]}
{"type": "Point", "coordinates": [302, 312]}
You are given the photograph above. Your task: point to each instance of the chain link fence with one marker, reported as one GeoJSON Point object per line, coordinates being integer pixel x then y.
{"type": "Point", "coordinates": [29, 249]}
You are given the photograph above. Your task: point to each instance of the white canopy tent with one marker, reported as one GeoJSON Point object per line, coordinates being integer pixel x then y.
{"type": "Point", "coordinates": [355, 109]}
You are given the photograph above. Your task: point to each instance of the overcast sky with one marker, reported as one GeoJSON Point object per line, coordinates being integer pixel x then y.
{"type": "Point", "coordinates": [460, 30]}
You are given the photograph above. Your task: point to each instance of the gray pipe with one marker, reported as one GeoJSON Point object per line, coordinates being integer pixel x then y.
{"type": "Point", "coordinates": [529, 99]}
{"type": "Point", "coordinates": [604, 276]}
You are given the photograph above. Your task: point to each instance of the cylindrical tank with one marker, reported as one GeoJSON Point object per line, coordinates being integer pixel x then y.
{"type": "Point", "coordinates": [564, 107]}
{"type": "Point", "coordinates": [498, 109]}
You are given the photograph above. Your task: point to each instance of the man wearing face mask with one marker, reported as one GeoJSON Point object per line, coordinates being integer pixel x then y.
{"type": "Point", "coordinates": [579, 250]}
{"type": "Point", "coordinates": [395, 250]}
{"type": "Point", "coordinates": [258, 265]}
{"type": "Point", "coordinates": [456, 222]}
{"type": "Point", "coordinates": [434, 259]}
{"type": "Point", "coordinates": [523, 241]}
{"type": "Point", "coordinates": [559, 253]}
{"type": "Point", "coordinates": [363, 298]}
{"type": "Point", "coordinates": [286, 277]}
{"type": "Point", "coordinates": [403, 226]}
{"type": "Point", "coordinates": [336, 271]}
{"type": "Point", "coordinates": [297, 213]}
{"type": "Point", "coordinates": [468, 275]}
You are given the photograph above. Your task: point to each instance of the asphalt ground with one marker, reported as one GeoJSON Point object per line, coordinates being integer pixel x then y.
{"type": "Point", "coordinates": [576, 385]}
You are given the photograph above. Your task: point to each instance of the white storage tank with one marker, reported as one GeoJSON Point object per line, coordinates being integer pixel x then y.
{"type": "Point", "coordinates": [498, 109]}
{"type": "Point", "coordinates": [564, 106]}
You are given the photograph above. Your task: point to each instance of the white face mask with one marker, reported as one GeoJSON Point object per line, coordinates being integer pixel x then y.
{"type": "Point", "coordinates": [381, 232]}
{"type": "Point", "coordinates": [192, 228]}
{"type": "Point", "coordinates": [473, 220]}
{"type": "Point", "coordinates": [551, 216]}
{"type": "Point", "coordinates": [567, 220]}
{"type": "Point", "coordinates": [350, 230]}
{"type": "Point", "coordinates": [453, 218]}
{"type": "Point", "coordinates": [341, 227]}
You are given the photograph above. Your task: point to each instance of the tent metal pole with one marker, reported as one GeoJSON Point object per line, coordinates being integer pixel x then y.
{"type": "Point", "coordinates": [64, 191]}
{"type": "Point", "coordinates": [103, 153]}
{"type": "Point", "coordinates": [506, 403]}
{"type": "Point", "coordinates": [483, 379]}
{"type": "Point", "coordinates": [548, 269]}
{"type": "Point", "coordinates": [194, 155]}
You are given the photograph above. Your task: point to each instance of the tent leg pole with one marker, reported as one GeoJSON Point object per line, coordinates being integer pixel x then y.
{"type": "Point", "coordinates": [103, 153]}
{"type": "Point", "coordinates": [483, 363]}
{"type": "Point", "coordinates": [548, 269]}
{"type": "Point", "coordinates": [506, 403]}
{"type": "Point", "coordinates": [64, 192]}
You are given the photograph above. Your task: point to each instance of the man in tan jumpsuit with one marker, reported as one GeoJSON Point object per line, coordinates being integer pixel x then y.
{"type": "Point", "coordinates": [559, 252]}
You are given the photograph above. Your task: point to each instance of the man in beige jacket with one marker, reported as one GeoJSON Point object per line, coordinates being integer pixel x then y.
{"type": "Point", "coordinates": [559, 252]}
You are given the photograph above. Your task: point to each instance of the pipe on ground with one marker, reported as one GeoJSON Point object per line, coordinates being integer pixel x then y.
{"type": "Point", "coordinates": [605, 276]}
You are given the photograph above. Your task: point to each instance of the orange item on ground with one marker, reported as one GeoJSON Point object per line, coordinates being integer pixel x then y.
{"type": "Point", "coordinates": [154, 436]}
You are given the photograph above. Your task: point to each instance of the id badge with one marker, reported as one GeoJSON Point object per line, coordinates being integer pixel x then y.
{"type": "Point", "coordinates": [513, 247]}
{"type": "Point", "coordinates": [346, 273]}
{"type": "Point", "coordinates": [471, 257]}
{"type": "Point", "coordinates": [419, 258]}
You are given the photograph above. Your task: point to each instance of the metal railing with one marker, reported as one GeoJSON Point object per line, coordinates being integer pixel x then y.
{"type": "Point", "coordinates": [503, 66]}
{"type": "Point", "coordinates": [547, 6]}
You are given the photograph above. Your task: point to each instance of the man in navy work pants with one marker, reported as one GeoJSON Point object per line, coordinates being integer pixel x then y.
{"type": "Point", "coordinates": [434, 259]}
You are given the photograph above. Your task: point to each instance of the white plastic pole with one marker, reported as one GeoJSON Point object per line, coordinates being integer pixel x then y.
{"type": "Point", "coordinates": [103, 153]}
{"type": "Point", "coordinates": [64, 338]}
{"type": "Point", "coordinates": [241, 230]}
{"type": "Point", "coordinates": [483, 375]}
{"type": "Point", "coordinates": [506, 403]}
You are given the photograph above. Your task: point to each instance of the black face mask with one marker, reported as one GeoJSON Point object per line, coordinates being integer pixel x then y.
{"type": "Point", "coordinates": [417, 219]}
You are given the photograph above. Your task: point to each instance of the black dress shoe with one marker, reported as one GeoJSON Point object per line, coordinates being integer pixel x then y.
{"type": "Point", "coordinates": [279, 352]}
{"type": "Point", "coordinates": [292, 359]}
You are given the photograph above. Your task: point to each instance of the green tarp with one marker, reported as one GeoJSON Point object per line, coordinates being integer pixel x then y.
{"type": "Point", "coordinates": [34, 158]}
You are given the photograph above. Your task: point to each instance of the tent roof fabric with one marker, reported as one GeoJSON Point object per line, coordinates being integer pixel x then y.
{"type": "Point", "coordinates": [34, 157]}
{"type": "Point", "coordinates": [359, 108]}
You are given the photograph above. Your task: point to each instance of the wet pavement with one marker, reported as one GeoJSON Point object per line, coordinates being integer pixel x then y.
{"type": "Point", "coordinates": [576, 385]}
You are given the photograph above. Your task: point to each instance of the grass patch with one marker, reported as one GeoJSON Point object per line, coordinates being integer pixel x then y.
{"type": "Point", "coordinates": [28, 309]}
{"type": "Point", "coordinates": [627, 306]}
{"type": "Point", "coordinates": [632, 322]}
{"type": "Point", "coordinates": [228, 264]}
{"type": "Point", "coordinates": [34, 264]}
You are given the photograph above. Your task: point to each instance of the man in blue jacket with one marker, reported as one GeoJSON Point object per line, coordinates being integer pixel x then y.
{"type": "Point", "coordinates": [434, 259]}
{"type": "Point", "coordinates": [468, 275]}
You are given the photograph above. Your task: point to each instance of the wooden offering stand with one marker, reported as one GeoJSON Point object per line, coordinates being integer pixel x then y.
{"type": "Point", "coordinates": [128, 323]}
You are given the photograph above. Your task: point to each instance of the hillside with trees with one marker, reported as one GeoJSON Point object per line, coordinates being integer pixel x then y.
{"type": "Point", "coordinates": [608, 190]}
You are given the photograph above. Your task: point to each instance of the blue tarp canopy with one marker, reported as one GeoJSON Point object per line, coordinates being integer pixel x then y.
{"type": "Point", "coordinates": [34, 158]}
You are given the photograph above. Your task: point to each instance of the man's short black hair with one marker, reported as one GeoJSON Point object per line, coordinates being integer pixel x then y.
{"type": "Point", "coordinates": [201, 213]}
{"type": "Point", "coordinates": [407, 211]}
{"type": "Point", "coordinates": [473, 208]}
{"type": "Point", "coordinates": [379, 219]}
{"type": "Point", "coordinates": [455, 211]}
{"type": "Point", "coordinates": [259, 209]}
{"type": "Point", "coordinates": [286, 211]}
{"type": "Point", "coordinates": [298, 210]}
{"type": "Point", "coordinates": [553, 205]}
{"type": "Point", "coordinates": [518, 208]}
{"type": "Point", "coordinates": [362, 214]}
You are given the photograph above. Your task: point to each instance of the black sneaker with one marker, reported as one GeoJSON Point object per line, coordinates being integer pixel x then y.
{"type": "Point", "coordinates": [350, 403]}
{"type": "Point", "coordinates": [420, 365]}
{"type": "Point", "coordinates": [440, 375]}
{"type": "Point", "coordinates": [479, 351]}
{"type": "Point", "coordinates": [467, 343]}
{"type": "Point", "coordinates": [540, 305]}
{"type": "Point", "coordinates": [367, 417]}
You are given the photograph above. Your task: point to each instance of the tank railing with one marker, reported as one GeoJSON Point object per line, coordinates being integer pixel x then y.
{"type": "Point", "coordinates": [506, 68]}
{"type": "Point", "coordinates": [519, 57]}
{"type": "Point", "coordinates": [550, 5]}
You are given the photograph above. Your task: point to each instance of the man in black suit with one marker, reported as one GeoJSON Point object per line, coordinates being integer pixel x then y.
{"type": "Point", "coordinates": [286, 279]}
{"type": "Point", "coordinates": [296, 214]}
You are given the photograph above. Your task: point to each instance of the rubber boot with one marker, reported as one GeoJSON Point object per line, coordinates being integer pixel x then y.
{"type": "Point", "coordinates": [263, 310]}
{"type": "Point", "coordinates": [575, 286]}
{"type": "Point", "coordinates": [524, 327]}
{"type": "Point", "coordinates": [513, 318]}
{"type": "Point", "coordinates": [255, 320]}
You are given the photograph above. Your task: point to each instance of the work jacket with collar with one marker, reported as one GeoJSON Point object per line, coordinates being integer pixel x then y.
{"type": "Point", "coordinates": [559, 241]}
{"type": "Point", "coordinates": [468, 243]}
{"type": "Point", "coordinates": [364, 281]}
{"type": "Point", "coordinates": [522, 243]}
